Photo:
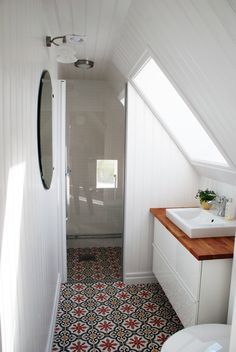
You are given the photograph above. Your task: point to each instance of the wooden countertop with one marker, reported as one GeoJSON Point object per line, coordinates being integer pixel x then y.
{"type": "Point", "coordinates": [201, 248]}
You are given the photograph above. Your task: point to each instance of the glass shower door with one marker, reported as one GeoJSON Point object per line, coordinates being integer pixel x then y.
{"type": "Point", "coordinates": [95, 164]}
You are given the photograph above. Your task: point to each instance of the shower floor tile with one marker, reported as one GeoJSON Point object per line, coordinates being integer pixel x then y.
{"type": "Point", "coordinates": [90, 265]}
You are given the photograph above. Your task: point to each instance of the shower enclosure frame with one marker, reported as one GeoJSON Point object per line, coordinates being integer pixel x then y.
{"type": "Point", "coordinates": [61, 182]}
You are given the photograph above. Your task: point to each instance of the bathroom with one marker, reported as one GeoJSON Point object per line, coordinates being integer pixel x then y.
{"type": "Point", "coordinates": [194, 41]}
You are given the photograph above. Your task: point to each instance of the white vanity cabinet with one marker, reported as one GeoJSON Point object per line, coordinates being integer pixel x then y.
{"type": "Point", "coordinates": [197, 289]}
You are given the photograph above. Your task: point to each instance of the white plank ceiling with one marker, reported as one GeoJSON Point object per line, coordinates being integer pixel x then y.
{"type": "Point", "coordinates": [193, 40]}
{"type": "Point", "coordinates": [99, 20]}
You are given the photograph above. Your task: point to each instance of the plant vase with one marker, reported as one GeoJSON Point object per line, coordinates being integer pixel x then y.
{"type": "Point", "coordinates": [205, 205]}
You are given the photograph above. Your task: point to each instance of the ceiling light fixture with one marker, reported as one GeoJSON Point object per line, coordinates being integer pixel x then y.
{"type": "Point", "coordinates": [65, 46]}
{"type": "Point", "coordinates": [84, 63]}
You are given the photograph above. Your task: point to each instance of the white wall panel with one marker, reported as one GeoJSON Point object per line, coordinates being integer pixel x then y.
{"type": "Point", "coordinates": [157, 175]}
{"type": "Point", "coordinates": [29, 238]}
{"type": "Point", "coordinates": [221, 188]}
{"type": "Point", "coordinates": [116, 80]}
{"type": "Point", "coordinates": [194, 41]}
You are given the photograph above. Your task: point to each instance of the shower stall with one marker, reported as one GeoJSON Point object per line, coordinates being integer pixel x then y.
{"type": "Point", "coordinates": [95, 140]}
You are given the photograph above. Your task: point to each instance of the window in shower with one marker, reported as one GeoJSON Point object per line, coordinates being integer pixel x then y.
{"type": "Point", "coordinates": [106, 174]}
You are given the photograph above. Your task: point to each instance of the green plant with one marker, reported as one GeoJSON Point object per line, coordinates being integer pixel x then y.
{"type": "Point", "coordinates": [205, 196]}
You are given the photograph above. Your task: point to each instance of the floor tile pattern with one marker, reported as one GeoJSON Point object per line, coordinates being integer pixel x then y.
{"type": "Point", "coordinates": [112, 316]}
{"type": "Point", "coordinates": [90, 265]}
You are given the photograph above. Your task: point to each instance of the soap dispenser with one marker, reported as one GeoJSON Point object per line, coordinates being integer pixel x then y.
{"type": "Point", "coordinates": [229, 209]}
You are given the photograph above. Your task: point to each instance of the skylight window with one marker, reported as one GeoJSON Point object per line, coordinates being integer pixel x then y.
{"type": "Point", "coordinates": [176, 115]}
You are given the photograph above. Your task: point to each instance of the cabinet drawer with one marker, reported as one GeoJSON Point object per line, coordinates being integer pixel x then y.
{"type": "Point", "coordinates": [187, 267]}
{"type": "Point", "coordinates": [214, 293]}
{"type": "Point", "coordinates": [164, 240]}
{"type": "Point", "coordinates": [183, 303]}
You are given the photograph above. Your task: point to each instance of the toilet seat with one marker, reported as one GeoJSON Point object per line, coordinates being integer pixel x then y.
{"type": "Point", "coordinates": [200, 338]}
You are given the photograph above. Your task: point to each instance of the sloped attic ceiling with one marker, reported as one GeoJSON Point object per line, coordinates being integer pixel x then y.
{"type": "Point", "coordinates": [100, 21]}
{"type": "Point", "coordinates": [195, 42]}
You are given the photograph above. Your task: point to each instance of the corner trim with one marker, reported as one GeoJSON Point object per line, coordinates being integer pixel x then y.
{"type": "Point", "coordinates": [54, 315]}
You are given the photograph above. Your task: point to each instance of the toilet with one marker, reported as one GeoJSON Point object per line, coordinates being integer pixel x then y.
{"type": "Point", "coordinates": [205, 337]}
{"type": "Point", "coordinates": [200, 338]}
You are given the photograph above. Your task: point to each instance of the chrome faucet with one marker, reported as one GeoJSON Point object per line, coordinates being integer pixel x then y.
{"type": "Point", "coordinates": [220, 203]}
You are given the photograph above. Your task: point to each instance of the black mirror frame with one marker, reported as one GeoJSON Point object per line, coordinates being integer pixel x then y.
{"type": "Point", "coordinates": [45, 185]}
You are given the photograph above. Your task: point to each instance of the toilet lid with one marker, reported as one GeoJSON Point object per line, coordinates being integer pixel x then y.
{"type": "Point", "coordinates": [200, 338]}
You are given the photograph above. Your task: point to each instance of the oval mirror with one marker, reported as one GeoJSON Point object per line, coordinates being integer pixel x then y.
{"type": "Point", "coordinates": [45, 129]}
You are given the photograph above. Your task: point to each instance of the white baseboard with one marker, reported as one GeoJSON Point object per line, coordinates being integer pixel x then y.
{"type": "Point", "coordinates": [139, 278]}
{"type": "Point", "coordinates": [54, 315]}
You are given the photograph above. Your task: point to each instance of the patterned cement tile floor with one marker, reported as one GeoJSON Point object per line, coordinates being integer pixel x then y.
{"type": "Point", "coordinates": [98, 316]}
{"type": "Point", "coordinates": [111, 317]}
{"type": "Point", "coordinates": [90, 265]}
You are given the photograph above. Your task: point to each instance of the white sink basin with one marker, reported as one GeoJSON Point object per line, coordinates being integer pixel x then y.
{"type": "Point", "coordinates": [197, 223]}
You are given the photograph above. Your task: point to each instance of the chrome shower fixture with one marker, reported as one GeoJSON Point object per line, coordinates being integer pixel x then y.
{"type": "Point", "coordinates": [65, 49]}
{"type": "Point", "coordinates": [65, 39]}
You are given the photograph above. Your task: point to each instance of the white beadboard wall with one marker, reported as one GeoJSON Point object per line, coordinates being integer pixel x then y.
{"type": "Point", "coordinates": [221, 188]}
{"type": "Point", "coordinates": [28, 213]}
{"type": "Point", "coordinates": [116, 80]}
{"type": "Point", "coordinates": [194, 42]}
{"type": "Point", "coordinates": [157, 175]}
